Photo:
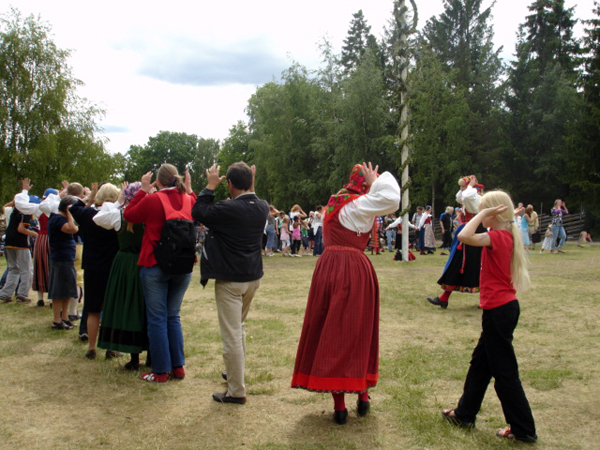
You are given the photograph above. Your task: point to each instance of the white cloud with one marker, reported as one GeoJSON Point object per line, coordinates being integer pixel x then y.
{"type": "Point", "coordinates": [192, 66]}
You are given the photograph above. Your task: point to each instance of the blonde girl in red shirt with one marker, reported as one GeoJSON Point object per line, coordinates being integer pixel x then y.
{"type": "Point", "coordinates": [503, 272]}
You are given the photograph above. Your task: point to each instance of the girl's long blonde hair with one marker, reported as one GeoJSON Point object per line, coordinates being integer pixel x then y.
{"type": "Point", "coordinates": [518, 263]}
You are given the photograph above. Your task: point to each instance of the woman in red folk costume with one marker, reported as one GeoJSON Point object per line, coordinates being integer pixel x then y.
{"type": "Point", "coordinates": [339, 346]}
{"type": "Point", "coordinates": [461, 273]}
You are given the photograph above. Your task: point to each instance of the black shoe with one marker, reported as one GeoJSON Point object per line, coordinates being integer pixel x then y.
{"type": "Point", "coordinates": [362, 407]}
{"type": "Point", "coordinates": [110, 354]}
{"type": "Point", "coordinates": [90, 354]}
{"type": "Point", "coordinates": [40, 303]}
{"type": "Point", "coordinates": [60, 326]}
{"type": "Point", "coordinates": [340, 417]}
{"type": "Point", "coordinates": [73, 318]}
{"type": "Point", "coordinates": [436, 301]}
{"type": "Point", "coordinates": [68, 324]}
{"type": "Point", "coordinates": [224, 398]}
{"type": "Point", "coordinates": [224, 375]}
{"type": "Point", "coordinates": [131, 366]}
{"type": "Point", "coordinates": [83, 337]}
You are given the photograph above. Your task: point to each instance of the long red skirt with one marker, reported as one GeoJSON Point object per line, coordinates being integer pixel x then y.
{"type": "Point", "coordinates": [339, 345]}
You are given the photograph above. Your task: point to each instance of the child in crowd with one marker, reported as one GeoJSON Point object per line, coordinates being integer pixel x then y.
{"type": "Point", "coordinates": [584, 237]}
{"type": "Point", "coordinates": [547, 244]}
{"type": "Point", "coordinates": [62, 281]}
{"type": "Point", "coordinates": [284, 234]}
{"type": "Point", "coordinates": [503, 272]}
{"type": "Point", "coordinates": [296, 236]}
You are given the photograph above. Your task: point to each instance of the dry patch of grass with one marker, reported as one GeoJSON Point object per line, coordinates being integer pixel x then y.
{"type": "Point", "coordinates": [53, 397]}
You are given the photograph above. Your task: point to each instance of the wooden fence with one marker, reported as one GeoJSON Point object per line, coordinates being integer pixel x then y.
{"type": "Point", "coordinates": [573, 224]}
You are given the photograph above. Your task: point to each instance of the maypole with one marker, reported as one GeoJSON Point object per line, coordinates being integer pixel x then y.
{"type": "Point", "coordinates": [402, 57]}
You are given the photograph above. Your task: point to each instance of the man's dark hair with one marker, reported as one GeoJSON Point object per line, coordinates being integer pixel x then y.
{"type": "Point", "coordinates": [66, 202]}
{"type": "Point", "coordinates": [240, 175]}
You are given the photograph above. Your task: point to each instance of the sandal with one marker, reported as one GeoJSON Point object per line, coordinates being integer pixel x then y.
{"type": "Point", "coordinates": [506, 433]}
{"type": "Point", "coordinates": [450, 416]}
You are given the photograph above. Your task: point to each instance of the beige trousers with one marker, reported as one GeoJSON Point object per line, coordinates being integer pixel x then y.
{"type": "Point", "coordinates": [233, 303]}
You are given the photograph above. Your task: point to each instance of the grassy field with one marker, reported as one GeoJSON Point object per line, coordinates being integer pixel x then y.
{"type": "Point", "coordinates": [52, 397]}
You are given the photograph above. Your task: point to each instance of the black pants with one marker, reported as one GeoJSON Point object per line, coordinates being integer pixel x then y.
{"type": "Point", "coordinates": [494, 356]}
{"type": "Point", "coordinates": [296, 246]}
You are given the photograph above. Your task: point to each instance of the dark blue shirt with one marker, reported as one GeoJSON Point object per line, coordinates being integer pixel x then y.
{"type": "Point", "coordinates": [62, 245]}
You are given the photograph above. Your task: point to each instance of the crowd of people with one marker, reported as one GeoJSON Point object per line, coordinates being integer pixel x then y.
{"type": "Point", "coordinates": [127, 253]}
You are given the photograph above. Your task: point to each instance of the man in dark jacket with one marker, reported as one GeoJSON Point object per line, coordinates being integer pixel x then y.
{"type": "Point", "coordinates": [232, 257]}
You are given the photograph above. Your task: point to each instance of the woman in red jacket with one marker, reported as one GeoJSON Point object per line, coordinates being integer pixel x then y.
{"type": "Point", "coordinates": [163, 292]}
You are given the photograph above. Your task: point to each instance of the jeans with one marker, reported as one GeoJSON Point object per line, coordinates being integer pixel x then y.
{"type": "Point", "coordinates": [318, 248]}
{"type": "Point", "coordinates": [19, 273]}
{"type": "Point", "coordinates": [390, 235]}
{"type": "Point", "coordinates": [164, 294]}
{"type": "Point", "coordinates": [558, 230]}
{"type": "Point", "coordinates": [271, 238]}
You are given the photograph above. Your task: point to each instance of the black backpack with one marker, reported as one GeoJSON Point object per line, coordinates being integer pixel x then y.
{"type": "Point", "coordinates": [176, 250]}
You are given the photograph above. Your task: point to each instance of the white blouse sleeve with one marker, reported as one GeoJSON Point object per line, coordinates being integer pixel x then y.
{"type": "Point", "coordinates": [395, 223]}
{"type": "Point", "coordinates": [383, 198]}
{"type": "Point", "coordinates": [50, 204]}
{"type": "Point", "coordinates": [469, 199]}
{"type": "Point", "coordinates": [109, 216]}
{"type": "Point", "coordinates": [23, 205]}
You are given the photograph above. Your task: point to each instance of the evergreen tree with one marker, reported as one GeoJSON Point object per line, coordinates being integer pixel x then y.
{"type": "Point", "coordinates": [461, 38]}
{"type": "Point", "coordinates": [356, 44]}
{"type": "Point", "coordinates": [547, 37]}
{"type": "Point", "coordinates": [583, 162]}
{"type": "Point", "coordinates": [543, 105]}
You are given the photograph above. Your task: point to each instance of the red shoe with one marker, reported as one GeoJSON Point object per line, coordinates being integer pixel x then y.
{"type": "Point", "coordinates": [155, 377]}
{"type": "Point", "coordinates": [178, 373]}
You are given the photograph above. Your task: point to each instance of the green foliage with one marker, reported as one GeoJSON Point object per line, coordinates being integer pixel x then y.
{"type": "Point", "coordinates": [47, 133]}
{"type": "Point", "coordinates": [583, 164]}
{"type": "Point", "coordinates": [184, 151]}
{"type": "Point", "coordinates": [543, 105]}
{"type": "Point", "coordinates": [364, 126]}
{"type": "Point", "coordinates": [456, 100]}
{"type": "Point", "coordinates": [440, 130]}
{"type": "Point", "coordinates": [357, 43]}
{"type": "Point", "coordinates": [285, 120]}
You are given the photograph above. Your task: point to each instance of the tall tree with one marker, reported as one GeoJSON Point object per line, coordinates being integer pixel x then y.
{"type": "Point", "coordinates": [285, 121]}
{"type": "Point", "coordinates": [583, 163]}
{"type": "Point", "coordinates": [356, 44]}
{"type": "Point", "coordinates": [364, 130]}
{"type": "Point", "coordinates": [440, 128]}
{"type": "Point", "coordinates": [43, 123]}
{"type": "Point", "coordinates": [547, 37]}
{"type": "Point", "coordinates": [542, 103]}
{"type": "Point", "coordinates": [462, 40]}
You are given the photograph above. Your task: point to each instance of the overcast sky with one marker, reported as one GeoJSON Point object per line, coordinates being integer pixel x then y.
{"type": "Point", "coordinates": [191, 66]}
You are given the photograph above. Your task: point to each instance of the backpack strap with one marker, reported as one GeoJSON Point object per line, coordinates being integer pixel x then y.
{"type": "Point", "coordinates": [171, 212]}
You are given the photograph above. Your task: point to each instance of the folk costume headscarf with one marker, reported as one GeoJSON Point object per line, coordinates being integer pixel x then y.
{"type": "Point", "coordinates": [356, 187]}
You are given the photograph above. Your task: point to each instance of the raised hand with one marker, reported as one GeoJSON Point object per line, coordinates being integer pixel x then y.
{"type": "Point", "coordinates": [188, 182]}
{"type": "Point", "coordinates": [213, 178]}
{"type": "Point", "coordinates": [147, 185]}
{"type": "Point", "coordinates": [369, 173]}
{"type": "Point", "coordinates": [27, 186]}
